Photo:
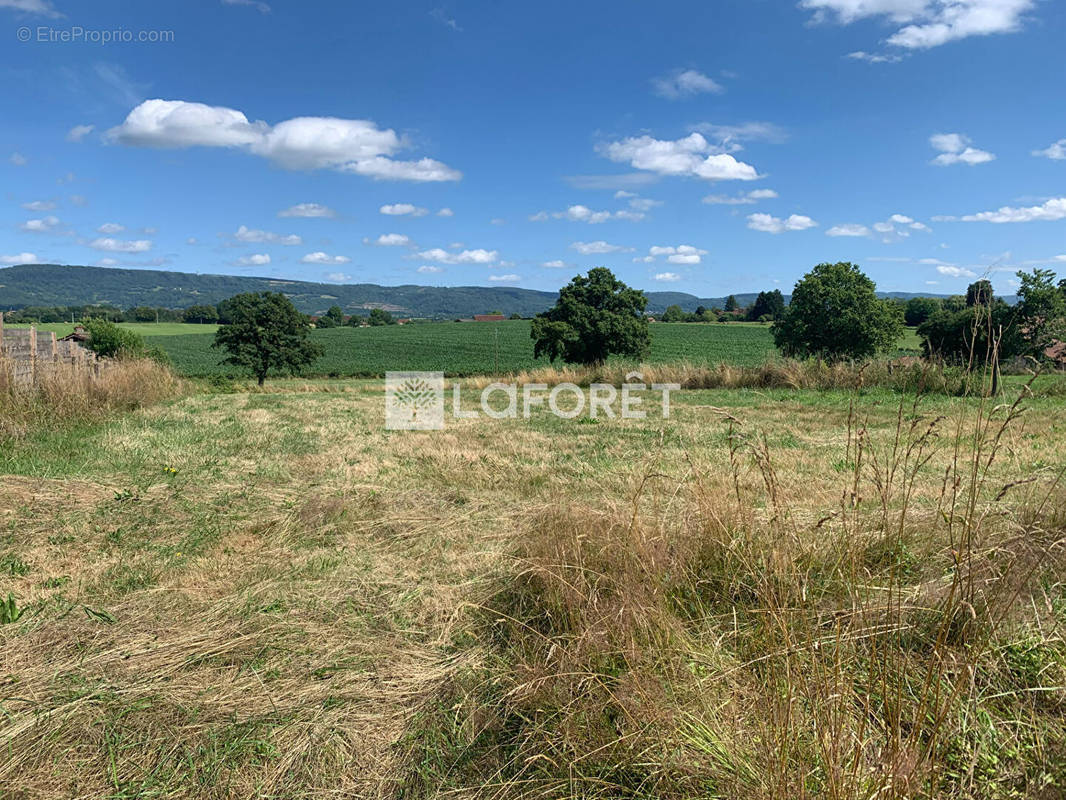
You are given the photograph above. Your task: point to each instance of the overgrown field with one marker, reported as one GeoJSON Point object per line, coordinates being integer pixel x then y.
{"type": "Point", "coordinates": [773, 594]}
{"type": "Point", "coordinates": [462, 349]}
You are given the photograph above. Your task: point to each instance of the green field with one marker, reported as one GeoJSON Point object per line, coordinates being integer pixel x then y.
{"type": "Point", "coordinates": [143, 328]}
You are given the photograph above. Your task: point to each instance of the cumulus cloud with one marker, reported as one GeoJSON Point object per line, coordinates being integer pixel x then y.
{"type": "Point", "coordinates": [693, 156]}
{"type": "Point", "coordinates": [770, 224]}
{"type": "Point", "coordinates": [309, 210]}
{"type": "Point", "coordinates": [1050, 211]}
{"type": "Point", "coordinates": [580, 213]}
{"type": "Point", "coordinates": [442, 256]}
{"type": "Point", "coordinates": [929, 23]}
{"type": "Point", "coordinates": [1056, 152]}
{"type": "Point", "coordinates": [445, 212]}
{"type": "Point", "coordinates": [896, 227]}
{"type": "Point", "coordinates": [875, 58]}
{"type": "Point", "coordinates": [681, 254]}
{"type": "Point", "coordinates": [324, 258]}
{"type": "Point", "coordinates": [685, 83]}
{"type": "Point", "coordinates": [556, 264]}
{"type": "Point", "coordinates": [19, 258]}
{"type": "Point", "coordinates": [599, 248]}
{"type": "Point", "coordinates": [955, 148]}
{"type": "Point", "coordinates": [390, 240]}
{"type": "Point", "coordinates": [338, 277]}
{"type": "Point", "coordinates": [955, 272]}
{"type": "Point", "coordinates": [848, 230]}
{"type": "Point", "coordinates": [429, 269]}
{"type": "Point", "coordinates": [39, 205]}
{"type": "Point", "coordinates": [745, 199]}
{"type": "Point", "coordinates": [45, 225]}
{"type": "Point", "coordinates": [303, 143]}
{"type": "Point", "coordinates": [254, 260]}
{"type": "Point", "coordinates": [667, 277]}
{"type": "Point", "coordinates": [250, 235]}
{"type": "Point", "coordinates": [403, 209]}
{"type": "Point", "coordinates": [509, 278]}
{"type": "Point", "coordinates": [111, 227]}
{"type": "Point", "coordinates": [109, 245]}
{"type": "Point", "coordinates": [79, 132]}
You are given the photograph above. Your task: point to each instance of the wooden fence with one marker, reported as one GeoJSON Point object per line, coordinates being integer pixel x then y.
{"type": "Point", "coordinates": [31, 356]}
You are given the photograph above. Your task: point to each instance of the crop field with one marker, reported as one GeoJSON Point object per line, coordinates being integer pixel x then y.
{"type": "Point", "coordinates": [772, 594]}
{"type": "Point", "coordinates": [464, 349]}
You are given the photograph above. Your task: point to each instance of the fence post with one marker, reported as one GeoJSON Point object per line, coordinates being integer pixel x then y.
{"type": "Point", "coordinates": [33, 355]}
{"type": "Point", "coordinates": [1, 332]}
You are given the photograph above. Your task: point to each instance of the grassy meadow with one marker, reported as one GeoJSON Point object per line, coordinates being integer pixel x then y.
{"type": "Point", "coordinates": [776, 593]}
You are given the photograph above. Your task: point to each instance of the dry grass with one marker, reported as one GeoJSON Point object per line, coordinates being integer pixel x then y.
{"type": "Point", "coordinates": [73, 395]}
{"type": "Point", "coordinates": [774, 594]}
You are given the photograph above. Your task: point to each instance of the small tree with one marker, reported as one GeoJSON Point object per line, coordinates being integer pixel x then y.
{"type": "Point", "coordinates": [919, 309]}
{"type": "Point", "coordinates": [379, 316]}
{"type": "Point", "coordinates": [200, 314]}
{"type": "Point", "coordinates": [596, 316]}
{"type": "Point", "coordinates": [674, 313]}
{"type": "Point", "coordinates": [336, 315]}
{"type": "Point", "coordinates": [835, 313]}
{"type": "Point", "coordinates": [731, 303]}
{"type": "Point", "coordinates": [979, 293]}
{"type": "Point", "coordinates": [108, 340]}
{"type": "Point", "coordinates": [266, 333]}
{"type": "Point", "coordinates": [768, 304]}
{"type": "Point", "coordinates": [1042, 309]}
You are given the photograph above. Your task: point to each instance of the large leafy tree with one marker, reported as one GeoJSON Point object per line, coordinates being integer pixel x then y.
{"type": "Point", "coordinates": [266, 333]}
{"type": "Point", "coordinates": [596, 316]}
{"type": "Point", "coordinates": [835, 313]}
{"type": "Point", "coordinates": [1042, 309]}
{"type": "Point", "coordinates": [768, 304]}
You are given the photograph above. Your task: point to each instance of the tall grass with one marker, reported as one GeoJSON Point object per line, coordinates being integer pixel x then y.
{"type": "Point", "coordinates": [711, 639]}
{"type": "Point", "coordinates": [70, 395]}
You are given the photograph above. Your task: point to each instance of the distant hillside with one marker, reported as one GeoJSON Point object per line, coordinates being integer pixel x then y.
{"type": "Point", "coordinates": [53, 285]}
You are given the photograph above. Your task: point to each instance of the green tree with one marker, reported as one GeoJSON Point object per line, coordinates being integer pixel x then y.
{"type": "Point", "coordinates": [731, 303]}
{"type": "Point", "coordinates": [979, 293]}
{"type": "Point", "coordinates": [919, 309]}
{"type": "Point", "coordinates": [108, 340]}
{"type": "Point", "coordinates": [379, 316]}
{"type": "Point", "coordinates": [673, 313]}
{"type": "Point", "coordinates": [142, 314]}
{"type": "Point", "coordinates": [596, 316]}
{"type": "Point", "coordinates": [768, 304]}
{"type": "Point", "coordinates": [201, 314]}
{"type": "Point", "coordinates": [336, 313]}
{"type": "Point", "coordinates": [835, 313]}
{"type": "Point", "coordinates": [1042, 311]}
{"type": "Point", "coordinates": [515, 315]}
{"type": "Point", "coordinates": [266, 333]}
{"type": "Point", "coordinates": [954, 304]}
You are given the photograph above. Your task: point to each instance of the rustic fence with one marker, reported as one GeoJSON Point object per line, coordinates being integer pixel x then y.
{"type": "Point", "coordinates": [30, 357]}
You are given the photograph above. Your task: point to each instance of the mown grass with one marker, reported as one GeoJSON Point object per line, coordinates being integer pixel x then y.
{"type": "Point", "coordinates": [144, 328]}
{"type": "Point", "coordinates": [778, 592]}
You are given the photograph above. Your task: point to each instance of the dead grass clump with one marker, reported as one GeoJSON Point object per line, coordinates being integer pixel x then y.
{"type": "Point", "coordinates": [69, 396]}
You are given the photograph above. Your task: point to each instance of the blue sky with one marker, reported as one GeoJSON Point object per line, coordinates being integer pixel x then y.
{"type": "Point", "coordinates": [708, 147]}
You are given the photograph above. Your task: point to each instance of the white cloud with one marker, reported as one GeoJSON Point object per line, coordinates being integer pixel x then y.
{"type": "Point", "coordinates": [338, 277]}
{"type": "Point", "coordinates": [955, 149]}
{"type": "Point", "coordinates": [681, 254]}
{"type": "Point", "coordinates": [667, 277]}
{"type": "Point", "coordinates": [445, 212]}
{"type": "Point", "coordinates": [599, 248]}
{"type": "Point", "coordinates": [192, 240]}
{"type": "Point", "coordinates": [39, 205]}
{"type": "Point", "coordinates": [1056, 152]}
{"type": "Point", "coordinates": [324, 258]}
{"type": "Point", "coordinates": [79, 132]}
{"type": "Point", "coordinates": [111, 227]}
{"type": "Point", "coordinates": [580, 213]}
{"type": "Point", "coordinates": [308, 210]}
{"type": "Point", "coordinates": [428, 269]}
{"type": "Point", "coordinates": [107, 262]}
{"type": "Point", "coordinates": [729, 137]}
{"type": "Point", "coordinates": [250, 235]}
{"type": "Point", "coordinates": [442, 256]}
{"type": "Point", "coordinates": [42, 7]}
{"type": "Point", "coordinates": [692, 156]}
{"type": "Point", "coordinates": [46, 225]}
{"type": "Point", "coordinates": [497, 221]}
{"type": "Point", "coordinates": [390, 240]}
{"type": "Point", "coordinates": [19, 160]}
{"type": "Point", "coordinates": [1053, 209]}
{"type": "Point", "coordinates": [510, 278]}
{"type": "Point", "coordinates": [303, 143]}
{"type": "Point", "coordinates": [19, 258]}
{"type": "Point", "coordinates": [875, 58]}
{"type": "Point", "coordinates": [403, 209]}
{"type": "Point", "coordinates": [771, 224]}
{"type": "Point", "coordinates": [442, 17]}
{"type": "Point", "coordinates": [254, 260]}
{"type": "Point", "coordinates": [685, 83]}
{"type": "Point", "coordinates": [929, 23]}
{"type": "Point", "coordinates": [109, 245]}
{"type": "Point", "coordinates": [258, 5]}
{"type": "Point", "coordinates": [848, 230]}
{"type": "Point", "coordinates": [955, 272]}
{"type": "Point", "coordinates": [557, 264]}
{"type": "Point", "coordinates": [745, 199]}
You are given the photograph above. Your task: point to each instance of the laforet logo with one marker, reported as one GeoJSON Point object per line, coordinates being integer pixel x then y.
{"type": "Point", "coordinates": [414, 401]}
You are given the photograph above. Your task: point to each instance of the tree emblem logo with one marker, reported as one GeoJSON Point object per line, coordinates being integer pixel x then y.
{"type": "Point", "coordinates": [414, 401]}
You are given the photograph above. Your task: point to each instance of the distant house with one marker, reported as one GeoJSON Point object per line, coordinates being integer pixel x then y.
{"type": "Point", "coordinates": [489, 317]}
{"type": "Point", "coordinates": [404, 321]}
{"type": "Point", "coordinates": [79, 335]}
